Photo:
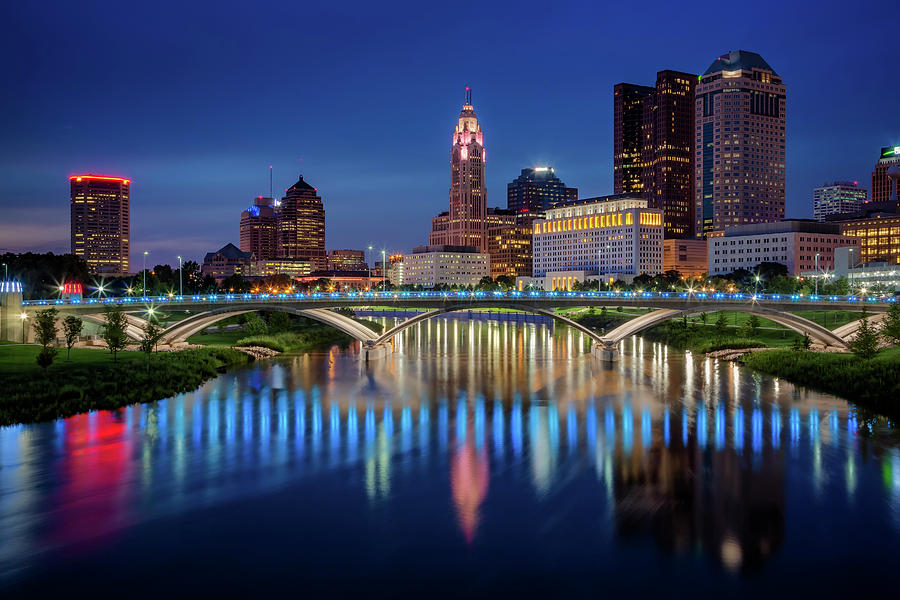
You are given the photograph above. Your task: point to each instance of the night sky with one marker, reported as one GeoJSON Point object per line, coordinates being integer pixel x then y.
{"type": "Point", "coordinates": [194, 100]}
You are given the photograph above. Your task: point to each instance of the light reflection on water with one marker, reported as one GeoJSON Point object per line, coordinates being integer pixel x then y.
{"type": "Point", "coordinates": [678, 453]}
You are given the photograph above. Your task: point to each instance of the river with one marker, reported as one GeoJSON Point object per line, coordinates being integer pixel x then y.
{"type": "Point", "coordinates": [483, 457]}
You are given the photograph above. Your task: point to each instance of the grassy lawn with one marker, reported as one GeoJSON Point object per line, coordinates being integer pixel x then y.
{"type": "Point", "coordinates": [19, 359]}
{"type": "Point", "coordinates": [223, 338]}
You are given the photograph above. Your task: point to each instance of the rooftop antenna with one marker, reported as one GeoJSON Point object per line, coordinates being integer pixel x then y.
{"type": "Point", "coordinates": [468, 95]}
{"type": "Point", "coordinates": [271, 193]}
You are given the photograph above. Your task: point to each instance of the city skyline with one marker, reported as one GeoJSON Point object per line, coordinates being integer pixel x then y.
{"type": "Point", "coordinates": [184, 168]}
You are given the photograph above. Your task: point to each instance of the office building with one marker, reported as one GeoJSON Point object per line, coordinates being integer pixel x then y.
{"type": "Point", "coordinates": [267, 267]}
{"type": "Point", "coordinates": [866, 276]}
{"type": "Point", "coordinates": [440, 229]}
{"type": "Point", "coordinates": [536, 190]}
{"type": "Point", "coordinates": [301, 225]}
{"type": "Point", "coordinates": [456, 266]}
{"type": "Point", "coordinates": [227, 261]}
{"type": "Point", "coordinates": [878, 237]}
{"type": "Point", "coordinates": [347, 260]}
{"type": "Point", "coordinates": [800, 245]}
{"type": "Point", "coordinates": [468, 201]}
{"type": "Point", "coordinates": [395, 269]}
{"type": "Point", "coordinates": [613, 236]}
{"type": "Point", "coordinates": [628, 136]}
{"type": "Point", "coordinates": [259, 228]}
{"type": "Point", "coordinates": [101, 222]}
{"type": "Point", "coordinates": [739, 143]}
{"type": "Point", "coordinates": [686, 256]}
{"type": "Point", "coordinates": [838, 198]}
{"type": "Point", "coordinates": [881, 183]}
{"type": "Point", "coordinates": [510, 247]}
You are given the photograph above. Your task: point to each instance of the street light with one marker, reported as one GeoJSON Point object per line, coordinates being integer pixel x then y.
{"type": "Point", "coordinates": [145, 272]}
{"type": "Point", "coordinates": [180, 289]}
{"type": "Point", "coordinates": [756, 288]}
{"type": "Point", "coordinates": [369, 265]}
{"type": "Point", "coordinates": [816, 269]}
{"type": "Point", "coordinates": [5, 272]}
{"type": "Point", "coordinates": [383, 270]}
{"type": "Point", "coordinates": [23, 316]}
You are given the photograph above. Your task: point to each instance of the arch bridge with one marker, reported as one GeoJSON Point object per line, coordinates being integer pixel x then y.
{"type": "Point", "coordinates": [663, 306]}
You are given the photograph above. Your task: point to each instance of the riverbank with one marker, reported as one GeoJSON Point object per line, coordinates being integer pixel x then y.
{"type": "Point", "coordinates": [873, 383]}
{"type": "Point", "coordinates": [92, 381]}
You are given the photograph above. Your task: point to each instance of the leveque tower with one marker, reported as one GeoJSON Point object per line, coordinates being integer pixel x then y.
{"type": "Point", "coordinates": [468, 203]}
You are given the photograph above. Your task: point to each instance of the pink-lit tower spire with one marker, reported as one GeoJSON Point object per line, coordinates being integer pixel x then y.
{"type": "Point", "coordinates": [468, 197]}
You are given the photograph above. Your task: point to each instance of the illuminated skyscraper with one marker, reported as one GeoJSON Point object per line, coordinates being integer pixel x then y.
{"type": "Point", "coordinates": [101, 222]}
{"type": "Point", "coordinates": [881, 185]}
{"type": "Point", "coordinates": [536, 190]}
{"type": "Point", "coordinates": [468, 203]}
{"type": "Point", "coordinates": [259, 228]}
{"type": "Point", "coordinates": [739, 114]}
{"type": "Point", "coordinates": [838, 198]}
{"type": "Point", "coordinates": [301, 225]}
{"type": "Point", "coordinates": [628, 119]}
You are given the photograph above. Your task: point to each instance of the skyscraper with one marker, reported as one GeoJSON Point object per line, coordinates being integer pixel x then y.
{"type": "Point", "coordinates": [667, 175]}
{"type": "Point", "coordinates": [838, 198]}
{"type": "Point", "coordinates": [468, 203]}
{"type": "Point", "coordinates": [628, 120]}
{"type": "Point", "coordinates": [536, 190]}
{"type": "Point", "coordinates": [101, 222]}
{"type": "Point", "coordinates": [259, 228]}
{"type": "Point", "coordinates": [739, 143]}
{"type": "Point", "coordinates": [881, 185]}
{"type": "Point", "coordinates": [301, 225]}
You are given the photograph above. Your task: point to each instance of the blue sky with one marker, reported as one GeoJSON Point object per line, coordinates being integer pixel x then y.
{"type": "Point", "coordinates": [194, 100]}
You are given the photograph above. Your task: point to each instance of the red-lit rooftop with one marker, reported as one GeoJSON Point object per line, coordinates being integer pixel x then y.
{"type": "Point", "coordinates": [102, 177]}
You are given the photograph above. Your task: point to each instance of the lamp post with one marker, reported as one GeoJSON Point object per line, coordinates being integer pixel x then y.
{"type": "Point", "coordinates": [145, 273]}
{"type": "Point", "coordinates": [756, 288]}
{"type": "Point", "coordinates": [5, 272]}
{"type": "Point", "coordinates": [816, 269]}
{"type": "Point", "coordinates": [180, 288]}
{"type": "Point", "coordinates": [599, 278]}
{"type": "Point", "coordinates": [383, 270]}
{"type": "Point", "coordinates": [369, 265]}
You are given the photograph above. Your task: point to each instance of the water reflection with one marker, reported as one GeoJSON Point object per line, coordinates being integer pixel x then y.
{"type": "Point", "coordinates": [693, 454]}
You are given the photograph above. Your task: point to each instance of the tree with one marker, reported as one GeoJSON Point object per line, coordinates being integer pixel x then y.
{"type": "Point", "coordinates": [865, 344]}
{"type": "Point", "coordinates": [486, 284]}
{"type": "Point", "coordinates": [890, 330]}
{"type": "Point", "coordinates": [801, 343]}
{"type": "Point", "coordinates": [255, 325]}
{"type": "Point", "coordinates": [506, 282]}
{"type": "Point", "coordinates": [721, 325]}
{"type": "Point", "coordinates": [72, 327]}
{"type": "Point", "coordinates": [704, 317]}
{"type": "Point", "coordinates": [279, 322]}
{"type": "Point", "coordinates": [44, 326]}
{"type": "Point", "coordinates": [753, 325]}
{"type": "Point", "coordinates": [152, 333]}
{"type": "Point", "coordinates": [113, 330]}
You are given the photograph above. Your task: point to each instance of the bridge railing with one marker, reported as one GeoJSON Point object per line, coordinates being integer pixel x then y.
{"type": "Point", "coordinates": [627, 296]}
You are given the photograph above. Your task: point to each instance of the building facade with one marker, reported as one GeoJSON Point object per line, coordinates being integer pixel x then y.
{"type": "Point", "coordinates": [301, 225]}
{"type": "Point", "coordinates": [347, 260]}
{"type": "Point", "coordinates": [881, 183]}
{"type": "Point", "coordinates": [510, 247]}
{"type": "Point", "coordinates": [686, 256]}
{"type": "Point", "coordinates": [878, 237]}
{"type": "Point", "coordinates": [611, 236]}
{"type": "Point", "coordinates": [100, 214]}
{"type": "Point", "coordinates": [628, 137]}
{"type": "Point", "coordinates": [739, 144]}
{"type": "Point", "coordinates": [838, 198]}
{"type": "Point", "coordinates": [800, 245]}
{"type": "Point", "coordinates": [259, 228]}
{"type": "Point", "coordinates": [668, 151]}
{"type": "Point", "coordinates": [536, 190]}
{"type": "Point", "coordinates": [227, 261]}
{"type": "Point", "coordinates": [468, 196]}
{"type": "Point", "coordinates": [280, 266]}
{"type": "Point", "coordinates": [457, 266]}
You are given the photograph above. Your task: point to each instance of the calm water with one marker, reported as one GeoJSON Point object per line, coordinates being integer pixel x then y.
{"type": "Point", "coordinates": [487, 457]}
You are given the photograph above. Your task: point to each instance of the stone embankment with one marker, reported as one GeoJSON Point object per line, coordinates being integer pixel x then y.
{"type": "Point", "coordinates": [258, 352]}
{"type": "Point", "coordinates": [738, 353]}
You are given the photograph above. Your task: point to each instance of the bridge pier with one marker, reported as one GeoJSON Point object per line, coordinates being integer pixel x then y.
{"type": "Point", "coordinates": [606, 353]}
{"type": "Point", "coordinates": [372, 352]}
{"type": "Point", "coordinates": [11, 323]}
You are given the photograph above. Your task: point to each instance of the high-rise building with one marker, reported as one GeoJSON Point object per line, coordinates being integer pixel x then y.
{"type": "Point", "coordinates": [347, 260]}
{"type": "Point", "coordinates": [536, 190]}
{"type": "Point", "coordinates": [301, 225]}
{"type": "Point", "coordinates": [454, 266]}
{"type": "Point", "coordinates": [509, 246]}
{"type": "Point", "coordinates": [628, 121]}
{"type": "Point", "coordinates": [739, 143]}
{"type": "Point", "coordinates": [468, 197]}
{"type": "Point", "coordinates": [259, 228]}
{"type": "Point", "coordinates": [101, 222]}
{"type": "Point", "coordinates": [667, 176]}
{"type": "Point", "coordinates": [881, 184]}
{"type": "Point", "coordinates": [838, 198]}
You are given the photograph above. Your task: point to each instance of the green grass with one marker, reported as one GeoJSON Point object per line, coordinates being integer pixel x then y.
{"type": "Point", "coordinates": [224, 338]}
{"type": "Point", "coordinates": [20, 359]}
{"type": "Point", "coordinates": [874, 383]}
{"type": "Point", "coordinates": [93, 382]}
